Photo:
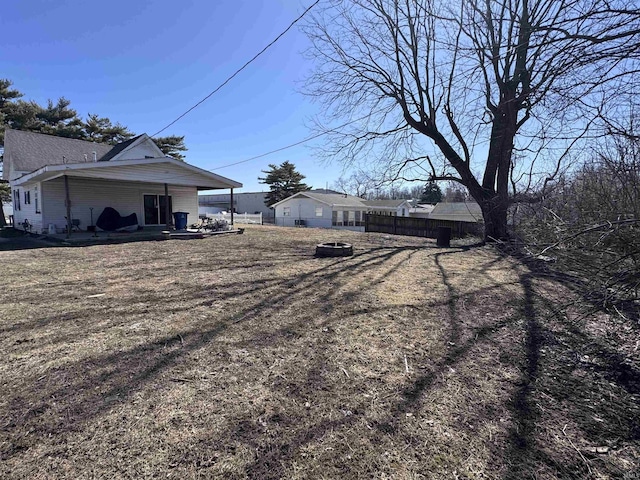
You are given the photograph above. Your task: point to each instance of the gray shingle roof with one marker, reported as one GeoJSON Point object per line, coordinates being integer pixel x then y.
{"type": "Point", "coordinates": [29, 151]}
{"type": "Point", "coordinates": [339, 200]}
{"type": "Point", "coordinates": [384, 203]}
{"type": "Point", "coordinates": [118, 148]}
{"type": "Point", "coordinates": [461, 211]}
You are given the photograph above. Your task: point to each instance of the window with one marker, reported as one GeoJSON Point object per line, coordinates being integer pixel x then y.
{"type": "Point", "coordinates": [345, 218]}
{"type": "Point", "coordinates": [27, 197]}
{"type": "Point", "coordinates": [16, 199]}
{"type": "Point", "coordinates": [318, 211]}
{"type": "Point", "coordinates": [359, 221]}
{"type": "Point", "coordinates": [352, 216]}
{"type": "Point", "coordinates": [334, 218]}
{"type": "Point", "coordinates": [403, 212]}
{"type": "Point", "coordinates": [286, 211]}
{"type": "Point", "coordinates": [35, 199]}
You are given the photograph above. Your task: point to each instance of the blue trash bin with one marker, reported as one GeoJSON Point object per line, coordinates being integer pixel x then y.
{"type": "Point", "coordinates": [180, 220]}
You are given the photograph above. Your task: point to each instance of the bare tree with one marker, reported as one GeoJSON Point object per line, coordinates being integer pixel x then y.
{"type": "Point", "coordinates": [492, 94]}
{"type": "Point", "coordinates": [358, 183]}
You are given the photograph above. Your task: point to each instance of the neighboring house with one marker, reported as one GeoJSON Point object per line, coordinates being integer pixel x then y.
{"type": "Point", "coordinates": [457, 211]}
{"type": "Point", "coordinates": [245, 202]}
{"type": "Point", "coordinates": [50, 176]}
{"type": "Point", "coordinates": [421, 210]}
{"type": "Point", "coordinates": [333, 210]}
{"type": "Point", "coordinates": [397, 208]}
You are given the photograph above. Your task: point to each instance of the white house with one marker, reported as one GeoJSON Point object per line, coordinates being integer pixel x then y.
{"type": "Point", "coordinates": [333, 210]}
{"type": "Point", "coordinates": [323, 210]}
{"type": "Point", "coordinates": [53, 178]}
{"type": "Point", "coordinates": [396, 208]}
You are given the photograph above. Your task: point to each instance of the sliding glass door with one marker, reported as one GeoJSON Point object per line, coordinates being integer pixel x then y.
{"type": "Point", "coordinates": [155, 209]}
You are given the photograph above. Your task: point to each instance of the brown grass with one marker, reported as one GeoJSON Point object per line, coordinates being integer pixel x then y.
{"type": "Point", "coordinates": [244, 356]}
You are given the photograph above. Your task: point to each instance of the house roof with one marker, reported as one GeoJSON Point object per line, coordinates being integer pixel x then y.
{"type": "Point", "coordinates": [332, 199]}
{"type": "Point", "coordinates": [461, 211]}
{"type": "Point", "coordinates": [344, 200]}
{"type": "Point", "coordinates": [148, 170]}
{"type": "Point", "coordinates": [28, 151]}
{"type": "Point", "coordinates": [47, 157]}
{"type": "Point", "coordinates": [118, 148]}
{"type": "Point", "coordinates": [389, 204]}
{"type": "Point", "coordinates": [423, 208]}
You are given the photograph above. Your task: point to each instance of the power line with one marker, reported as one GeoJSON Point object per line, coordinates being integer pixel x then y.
{"type": "Point", "coordinates": [273, 151]}
{"type": "Point", "coordinates": [300, 142]}
{"type": "Point", "coordinates": [241, 68]}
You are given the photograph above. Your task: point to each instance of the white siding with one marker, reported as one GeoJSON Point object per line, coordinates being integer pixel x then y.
{"type": "Point", "coordinates": [125, 197]}
{"type": "Point", "coordinates": [28, 210]}
{"type": "Point", "coordinates": [304, 208]}
{"type": "Point", "coordinates": [144, 150]}
{"type": "Point", "coordinates": [158, 172]}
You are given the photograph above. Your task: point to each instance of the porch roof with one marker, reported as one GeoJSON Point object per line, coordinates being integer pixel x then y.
{"type": "Point", "coordinates": [147, 170]}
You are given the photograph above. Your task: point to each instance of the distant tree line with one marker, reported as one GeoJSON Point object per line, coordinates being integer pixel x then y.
{"type": "Point", "coordinates": [58, 118]}
{"type": "Point", "coordinates": [364, 185]}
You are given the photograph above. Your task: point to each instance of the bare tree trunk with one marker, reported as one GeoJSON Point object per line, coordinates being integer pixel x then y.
{"type": "Point", "coordinates": [494, 213]}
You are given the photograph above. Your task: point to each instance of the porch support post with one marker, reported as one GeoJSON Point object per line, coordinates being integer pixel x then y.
{"type": "Point", "coordinates": [231, 206]}
{"type": "Point", "coordinates": [167, 213]}
{"type": "Point", "coordinates": [67, 202]}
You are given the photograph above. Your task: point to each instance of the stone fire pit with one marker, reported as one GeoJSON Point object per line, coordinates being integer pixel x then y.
{"type": "Point", "coordinates": [334, 249]}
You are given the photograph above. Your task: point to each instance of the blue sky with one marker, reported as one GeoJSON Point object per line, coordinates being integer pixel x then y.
{"type": "Point", "coordinates": [143, 63]}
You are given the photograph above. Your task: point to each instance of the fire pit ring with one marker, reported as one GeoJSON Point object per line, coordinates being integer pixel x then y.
{"type": "Point", "coordinates": [334, 249]}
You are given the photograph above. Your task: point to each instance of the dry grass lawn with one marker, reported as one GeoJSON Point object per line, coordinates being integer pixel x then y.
{"type": "Point", "coordinates": [244, 356]}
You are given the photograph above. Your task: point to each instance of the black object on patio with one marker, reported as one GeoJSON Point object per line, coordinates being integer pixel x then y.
{"type": "Point", "coordinates": [110, 220]}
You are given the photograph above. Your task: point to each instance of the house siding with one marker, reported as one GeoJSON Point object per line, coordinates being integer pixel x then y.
{"type": "Point", "coordinates": [303, 208]}
{"type": "Point", "coordinates": [125, 197]}
{"type": "Point", "coordinates": [28, 210]}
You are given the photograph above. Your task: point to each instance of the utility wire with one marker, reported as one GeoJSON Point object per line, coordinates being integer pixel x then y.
{"type": "Point", "coordinates": [241, 68]}
{"type": "Point", "coordinates": [300, 142]}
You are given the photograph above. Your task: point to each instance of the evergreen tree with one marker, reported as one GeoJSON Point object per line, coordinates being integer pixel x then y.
{"type": "Point", "coordinates": [283, 182]}
{"type": "Point", "coordinates": [171, 146]}
{"type": "Point", "coordinates": [101, 130]}
{"type": "Point", "coordinates": [58, 119]}
{"type": "Point", "coordinates": [431, 193]}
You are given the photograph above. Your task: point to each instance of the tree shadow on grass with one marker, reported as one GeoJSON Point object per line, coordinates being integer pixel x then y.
{"type": "Point", "coordinates": [69, 396]}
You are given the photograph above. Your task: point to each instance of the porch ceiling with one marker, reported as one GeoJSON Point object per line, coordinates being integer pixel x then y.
{"type": "Point", "coordinates": [148, 170]}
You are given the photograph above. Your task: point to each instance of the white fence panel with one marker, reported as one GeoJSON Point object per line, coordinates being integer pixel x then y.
{"type": "Point", "coordinates": [255, 218]}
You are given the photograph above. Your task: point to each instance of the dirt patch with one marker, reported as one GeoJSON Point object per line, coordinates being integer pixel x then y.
{"type": "Point", "coordinates": [245, 356]}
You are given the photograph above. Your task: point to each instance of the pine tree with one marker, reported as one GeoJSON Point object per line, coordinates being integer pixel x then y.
{"type": "Point", "coordinates": [431, 193]}
{"type": "Point", "coordinates": [171, 146]}
{"type": "Point", "coordinates": [283, 182]}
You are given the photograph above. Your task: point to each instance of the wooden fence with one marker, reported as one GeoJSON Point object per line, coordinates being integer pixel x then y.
{"type": "Point", "coordinates": [418, 227]}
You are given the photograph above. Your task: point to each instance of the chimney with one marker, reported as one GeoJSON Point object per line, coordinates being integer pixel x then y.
{"type": "Point", "coordinates": [85, 157]}
{"type": "Point", "coordinates": [95, 157]}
